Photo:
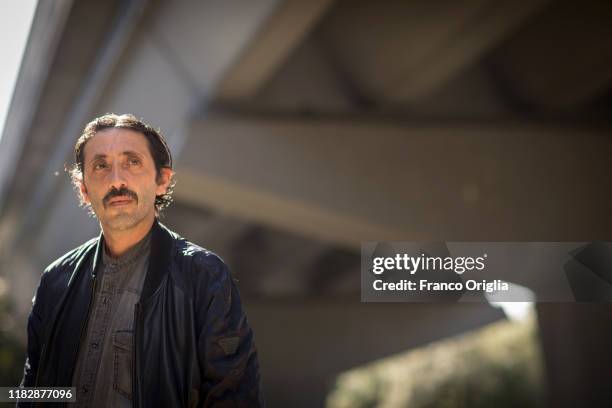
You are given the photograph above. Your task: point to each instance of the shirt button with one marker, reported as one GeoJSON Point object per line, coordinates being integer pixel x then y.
{"type": "Point", "coordinates": [94, 345]}
{"type": "Point", "coordinates": [84, 389]}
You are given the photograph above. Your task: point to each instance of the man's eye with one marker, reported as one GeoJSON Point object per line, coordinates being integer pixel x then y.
{"type": "Point", "coordinates": [100, 166]}
{"type": "Point", "coordinates": [133, 161]}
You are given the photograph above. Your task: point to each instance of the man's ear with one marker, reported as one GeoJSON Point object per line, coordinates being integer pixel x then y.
{"type": "Point", "coordinates": [163, 181]}
{"type": "Point", "coordinates": [84, 195]}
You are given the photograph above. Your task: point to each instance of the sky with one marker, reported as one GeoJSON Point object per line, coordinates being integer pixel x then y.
{"type": "Point", "coordinates": [16, 21]}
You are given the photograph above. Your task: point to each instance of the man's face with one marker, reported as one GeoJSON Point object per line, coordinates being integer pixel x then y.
{"type": "Point", "coordinates": [119, 178]}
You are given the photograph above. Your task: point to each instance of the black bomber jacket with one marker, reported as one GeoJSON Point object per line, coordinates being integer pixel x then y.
{"type": "Point", "coordinates": [192, 343]}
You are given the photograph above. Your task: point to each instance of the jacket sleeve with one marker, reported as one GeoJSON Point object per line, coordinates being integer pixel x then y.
{"type": "Point", "coordinates": [227, 353]}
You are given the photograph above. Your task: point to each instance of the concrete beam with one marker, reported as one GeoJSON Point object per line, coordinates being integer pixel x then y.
{"type": "Point", "coordinates": [403, 51]}
{"type": "Point", "coordinates": [283, 31]}
{"type": "Point", "coordinates": [347, 182]}
{"type": "Point", "coordinates": [47, 26]}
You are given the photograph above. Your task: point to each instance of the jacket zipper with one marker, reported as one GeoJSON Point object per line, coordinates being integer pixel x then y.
{"type": "Point", "coordinates": [86, 320]}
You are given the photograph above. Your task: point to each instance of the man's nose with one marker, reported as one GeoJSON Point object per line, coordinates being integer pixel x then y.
{"type": "Point", "coordinates": [117, 177]}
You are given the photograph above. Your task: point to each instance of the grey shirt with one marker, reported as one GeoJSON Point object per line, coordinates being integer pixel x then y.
{"type": "Point", "coordinates": [103, 372]}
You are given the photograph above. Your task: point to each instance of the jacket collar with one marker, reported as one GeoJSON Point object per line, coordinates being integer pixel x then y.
{"type": "Point", "coordinates": [162, 245]}
{"type": "Point", "coordinates": [162, 242]}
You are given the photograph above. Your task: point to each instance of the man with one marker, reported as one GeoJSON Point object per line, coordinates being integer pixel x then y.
{"type": "Point", "coordinates": [138, 316]}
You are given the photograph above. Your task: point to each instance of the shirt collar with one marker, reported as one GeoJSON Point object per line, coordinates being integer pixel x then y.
{"type": "Point", "coordinates": [130, 256]}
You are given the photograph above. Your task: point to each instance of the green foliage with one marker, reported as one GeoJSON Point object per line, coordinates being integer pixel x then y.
{"type": "Point", "coordinates": [496, 366]}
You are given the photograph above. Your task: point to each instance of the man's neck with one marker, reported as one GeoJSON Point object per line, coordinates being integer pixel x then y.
{"type": "Point", "coordinates": [118, 243]}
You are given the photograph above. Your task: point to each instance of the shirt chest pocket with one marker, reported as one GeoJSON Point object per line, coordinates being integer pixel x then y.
{"type": "Point", "coordinates": [122, 364]}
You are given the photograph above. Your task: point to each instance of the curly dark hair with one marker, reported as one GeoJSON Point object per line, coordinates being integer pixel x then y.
{"type": "Point", "coordinates": [157, 145]}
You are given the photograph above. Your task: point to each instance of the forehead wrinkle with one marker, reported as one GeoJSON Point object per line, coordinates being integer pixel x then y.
{"type": "Point", "coordinates": [125, 153]}
{"type": "Point", "coordinates": [108, 141]}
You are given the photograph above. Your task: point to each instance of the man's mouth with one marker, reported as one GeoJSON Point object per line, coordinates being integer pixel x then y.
{"type": "Point", "coordinates": [119, 197]}
{"type": "Point", "coordinates": [118, 201]}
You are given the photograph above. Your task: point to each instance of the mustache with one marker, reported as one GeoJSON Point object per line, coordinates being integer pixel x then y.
{"type": "Point", "coordinates": [114, 192]}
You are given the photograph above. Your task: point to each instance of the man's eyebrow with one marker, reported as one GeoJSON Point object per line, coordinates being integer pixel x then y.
{"type": "Point", "coordinates": [98, 157]}
{"type": "Point", "coordinates": [131, 153]}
